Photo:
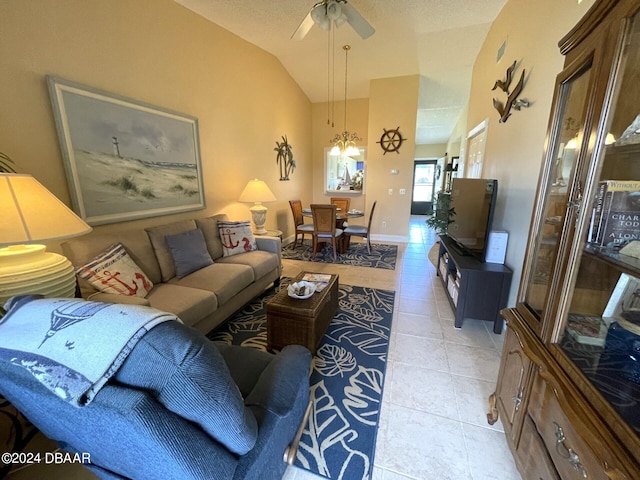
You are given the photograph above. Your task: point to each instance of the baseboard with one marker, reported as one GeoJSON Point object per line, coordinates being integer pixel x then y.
{"type": "Point", "coordinates": [374, 238]}
{"type": "Point", "coordinates": [390, 238]}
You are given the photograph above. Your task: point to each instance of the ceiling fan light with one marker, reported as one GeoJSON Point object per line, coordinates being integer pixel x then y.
{"type": "Point", "coordinates": [324, 24]}
{"type": "Point", "coordinates": [340, 20]}
{"type": "Point", "coordinates": [319, 14]}
{"type": "Point", "coordinates": [334, 12]}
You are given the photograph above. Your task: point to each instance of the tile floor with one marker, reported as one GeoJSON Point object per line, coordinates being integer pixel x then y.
{"type": "Point", "coordinates": [433, 421]}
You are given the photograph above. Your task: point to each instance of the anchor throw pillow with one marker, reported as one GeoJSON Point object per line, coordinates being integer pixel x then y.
{"type": "Point", "coordinates": [236, 237]}
{"type": "Point", "coordinates": [114, 271]}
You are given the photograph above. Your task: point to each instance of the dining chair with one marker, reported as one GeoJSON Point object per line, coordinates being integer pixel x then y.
{"type": "Point", "coordinates": [325, 231]}
{"type": "Point", "coordinates": [343, 203]}
{"type": "Point", "coordinates": [362, 231]}
{"type": "Point", "coordinates": [298, 221]}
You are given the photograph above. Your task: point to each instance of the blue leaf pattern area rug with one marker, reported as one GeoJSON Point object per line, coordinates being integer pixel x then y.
{"type": "Point", "coordinates": [346, 382]}
{"type": "Point", "coordinates": [381, 256]}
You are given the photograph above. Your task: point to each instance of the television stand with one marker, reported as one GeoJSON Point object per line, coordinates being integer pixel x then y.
{"type": "Point", "coordinates": [457, 248]}
{"type": "Point", "coordinates": [476, 290]}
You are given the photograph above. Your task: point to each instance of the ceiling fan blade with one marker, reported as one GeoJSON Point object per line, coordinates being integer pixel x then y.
{"type": "Point", "coordinates": [303, 28]}
{"type": "Point", "coordinates": [357, 21]}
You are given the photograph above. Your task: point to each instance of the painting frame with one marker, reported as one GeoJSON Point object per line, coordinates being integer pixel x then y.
{"type": "Point", "coordinates": [125, 159]}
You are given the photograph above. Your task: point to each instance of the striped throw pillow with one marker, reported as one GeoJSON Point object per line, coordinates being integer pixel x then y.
{"type": "Point", "coordinates": [114, 271]}
{"type": "Point", "coordinates": [236, 237]}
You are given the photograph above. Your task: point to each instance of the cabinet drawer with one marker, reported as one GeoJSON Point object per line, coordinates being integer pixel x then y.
{"type": "Point", "coordinates": [533, 454]}
{"type": "Point", "coordinates": [572, 457]}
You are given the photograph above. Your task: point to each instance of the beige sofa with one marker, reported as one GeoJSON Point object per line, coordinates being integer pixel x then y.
{"type": "Point", "coordinates": [203, 299]}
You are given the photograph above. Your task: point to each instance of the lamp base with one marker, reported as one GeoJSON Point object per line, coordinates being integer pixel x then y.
{"type": "Point", "coordinates": [30, 269]}
{"type": "Point", "coordinates": [259, 215]}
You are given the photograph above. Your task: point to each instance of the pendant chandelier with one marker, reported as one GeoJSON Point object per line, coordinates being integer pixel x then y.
{"type": "Point", "coordinates": [345, 143]}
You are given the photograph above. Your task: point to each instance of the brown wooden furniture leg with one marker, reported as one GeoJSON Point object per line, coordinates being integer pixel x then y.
{"type": "Point", "coordinates": [492, 416]}
{"type": "Point", "coordinates": [292, 450]}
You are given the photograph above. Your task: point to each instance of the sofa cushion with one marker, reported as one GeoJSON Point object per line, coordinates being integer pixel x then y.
{"type": "Point", "coordinates": [237, 238]}
{"type": "Point", "coordinates": [261, 262]}
{"type": "Point", "coordinates": [209, 227]}
{"type": "Point", "coordinates": [225, 280]}
{"type": "Point", "coordinates": [161, 249]}
{"type": "Point", "coordinates": [189, 304]}
{"type": "Point", "coordinates": [113, 271]}
{"type": "Point", "coordinates": [189, 252]}
{"type": "Point", "coordinates": [187, 374]}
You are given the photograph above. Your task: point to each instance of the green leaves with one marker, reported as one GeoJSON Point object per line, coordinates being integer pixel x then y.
{"type": "Point", "coordinates": [6, 164]}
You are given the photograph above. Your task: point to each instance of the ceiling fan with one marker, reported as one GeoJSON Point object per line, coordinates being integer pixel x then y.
{"type": "Point", "coordinates": [326, 12]}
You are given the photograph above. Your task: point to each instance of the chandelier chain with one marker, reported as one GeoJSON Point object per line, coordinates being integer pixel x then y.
{"type": "Point", "coordinates": [346, 62]}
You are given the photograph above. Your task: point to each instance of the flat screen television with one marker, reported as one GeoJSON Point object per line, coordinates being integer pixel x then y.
{"type": "Point", "coordinates": [473, 201]}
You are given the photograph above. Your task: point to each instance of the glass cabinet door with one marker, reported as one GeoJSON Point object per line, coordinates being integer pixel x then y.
{"type": "Point", "coordinates": [600, 328]}
{"type": "Point", "coordinates": [573, 95]}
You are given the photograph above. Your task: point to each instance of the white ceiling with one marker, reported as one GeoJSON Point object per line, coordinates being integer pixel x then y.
{"type": "Point", "coordinates": [438, 39]}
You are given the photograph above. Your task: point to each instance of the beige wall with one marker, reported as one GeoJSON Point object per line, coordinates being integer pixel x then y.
{"type": "Point", "coordinates": [514, 149]}
{"type": "Point", "coordinates": [393, 103]}
{"type": "Point", "coordinates": [160, 53]}
{"type": "Point", "coordinates": [435, 150]}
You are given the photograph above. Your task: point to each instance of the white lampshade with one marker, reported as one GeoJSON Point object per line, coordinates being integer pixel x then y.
{"type": "Point", "coordinates": [257, 192]}
{"type": "Point", "coordinates": [30, 213]}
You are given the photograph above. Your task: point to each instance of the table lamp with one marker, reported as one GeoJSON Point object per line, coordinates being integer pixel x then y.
{"type": "Point", "coordinates": [30, 213]}
{"type": "Point", "coordinates": [257, 192]}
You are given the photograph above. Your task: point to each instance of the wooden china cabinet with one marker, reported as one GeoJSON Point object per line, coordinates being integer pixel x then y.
{"type": "Point", "coordinates": [568, 391]}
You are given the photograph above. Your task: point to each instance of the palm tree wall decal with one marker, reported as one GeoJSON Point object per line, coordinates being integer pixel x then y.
{"type": "Point", "coordinates": [284, 158]}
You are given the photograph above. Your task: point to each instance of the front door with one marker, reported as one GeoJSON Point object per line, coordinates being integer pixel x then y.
{"type": "Point", "coordinates": [424, 176]}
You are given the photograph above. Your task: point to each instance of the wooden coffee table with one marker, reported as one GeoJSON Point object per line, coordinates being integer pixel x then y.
{"type": "Point", "coordinates": [301, 322]}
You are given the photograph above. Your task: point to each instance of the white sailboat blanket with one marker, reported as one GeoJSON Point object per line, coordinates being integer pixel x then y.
{"type": "Point", "coordinates": [73, 346]}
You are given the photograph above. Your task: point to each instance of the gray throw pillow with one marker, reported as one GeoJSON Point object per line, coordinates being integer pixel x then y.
{"type": "Point", "coordinates": [189, 251]}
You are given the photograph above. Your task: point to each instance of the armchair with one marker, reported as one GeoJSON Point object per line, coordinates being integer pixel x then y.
{"type": "Point", "coordinates": [179, 407]}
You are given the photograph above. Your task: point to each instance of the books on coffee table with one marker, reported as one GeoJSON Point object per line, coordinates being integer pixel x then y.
{"type": "Point", "coordinates": [321, 280]}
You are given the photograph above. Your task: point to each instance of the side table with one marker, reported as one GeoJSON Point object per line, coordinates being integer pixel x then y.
{"type": "Point", "coordinates": [271, 233]}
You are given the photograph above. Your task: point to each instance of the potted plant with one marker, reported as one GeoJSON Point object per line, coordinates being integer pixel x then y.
{"type": "Point", "coordinates": [442, 213]}
{"type": "Point", "coordinates": [5, 167]}
{"type": "Point", "coordinates": [6, 164]}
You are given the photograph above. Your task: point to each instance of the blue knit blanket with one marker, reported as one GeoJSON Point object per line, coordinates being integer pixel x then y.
{"type": "Point", "coordinates": [73, 346]}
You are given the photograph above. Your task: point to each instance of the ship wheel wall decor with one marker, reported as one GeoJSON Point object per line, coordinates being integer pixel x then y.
{"type": "Point", "coordinates": [391, 140]}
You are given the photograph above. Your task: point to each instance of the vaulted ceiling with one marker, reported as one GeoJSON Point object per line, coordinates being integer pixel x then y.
{"type": "Point", "coordinates": [437, 39]}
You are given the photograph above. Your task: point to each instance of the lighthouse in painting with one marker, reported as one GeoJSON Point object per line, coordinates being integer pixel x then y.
{"type": "Point", "coordinates": [116, 147]}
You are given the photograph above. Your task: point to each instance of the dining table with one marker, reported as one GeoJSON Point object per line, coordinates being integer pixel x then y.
{"type": "Point", "coordinates": [341, 218]}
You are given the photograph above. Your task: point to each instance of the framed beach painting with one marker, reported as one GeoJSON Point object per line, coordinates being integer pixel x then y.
{"type": "Point", "coordinates": [125, 159]}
